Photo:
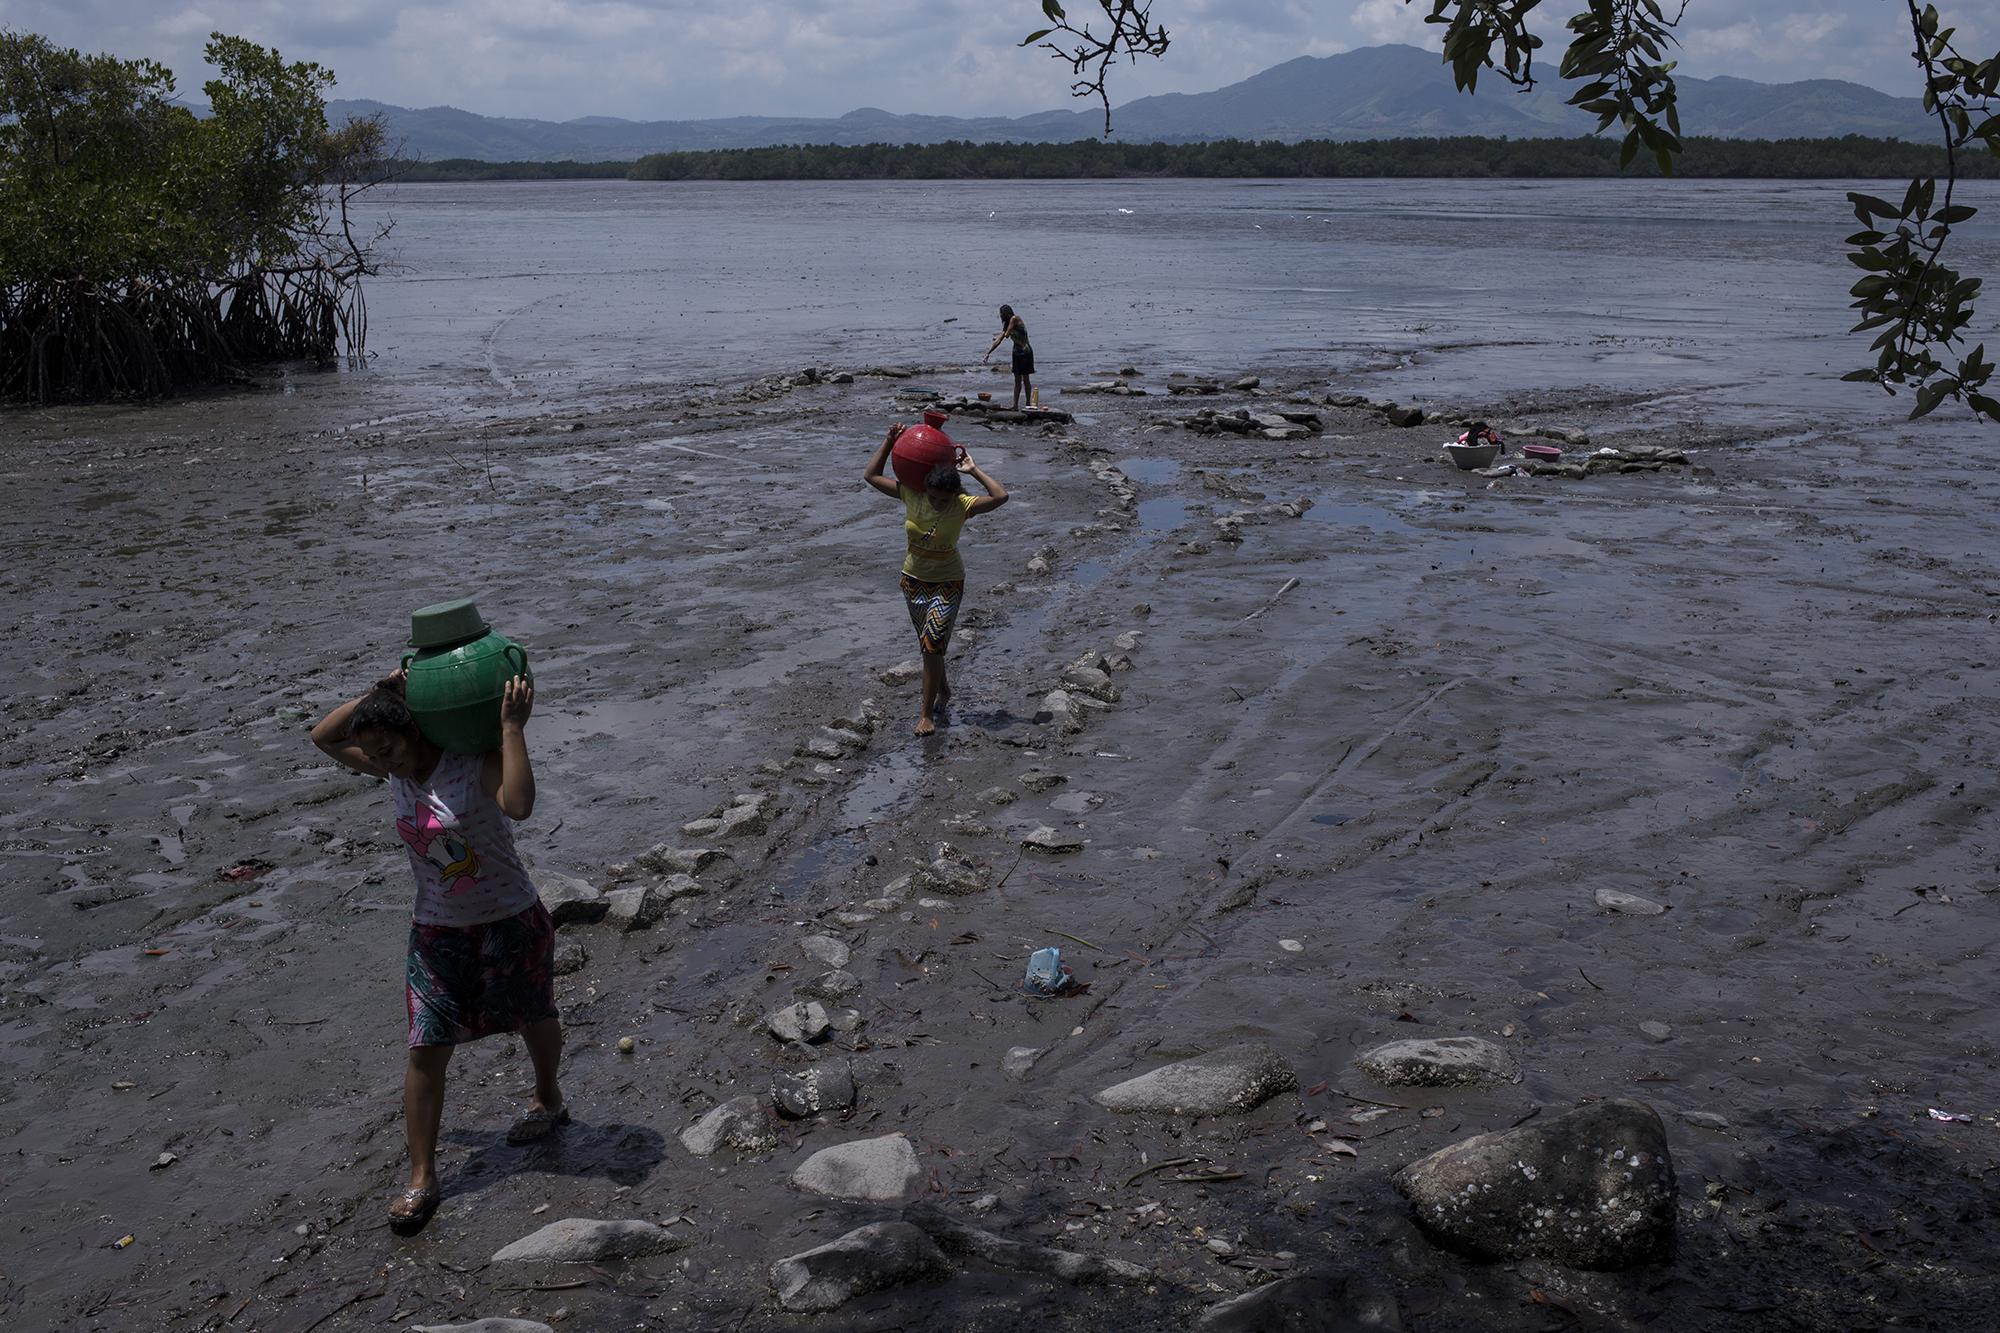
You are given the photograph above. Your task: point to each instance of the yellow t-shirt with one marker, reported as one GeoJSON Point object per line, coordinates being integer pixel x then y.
{"type": "Point", "coordinates": [933, 536]}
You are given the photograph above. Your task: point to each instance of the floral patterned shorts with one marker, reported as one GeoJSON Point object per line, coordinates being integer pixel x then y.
{"type": "Point", "coordinates": [467, 982]}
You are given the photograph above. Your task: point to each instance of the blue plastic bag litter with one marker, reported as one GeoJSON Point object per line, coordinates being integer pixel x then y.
{"type": "Point", "coordinates": [1046, 973]}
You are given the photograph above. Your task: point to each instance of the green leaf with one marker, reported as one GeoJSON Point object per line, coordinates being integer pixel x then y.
{"type": "Point", "coordinates": [1036, 36]}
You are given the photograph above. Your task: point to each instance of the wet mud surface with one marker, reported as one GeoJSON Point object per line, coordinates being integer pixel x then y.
{"type": "Point", "coordinates": [1760, 691]}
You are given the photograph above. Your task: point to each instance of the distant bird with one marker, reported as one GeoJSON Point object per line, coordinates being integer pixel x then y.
{"type": "Point", "coordinates": [1124, 210]}
{"type": "Point", "coordinates": [994, 214]}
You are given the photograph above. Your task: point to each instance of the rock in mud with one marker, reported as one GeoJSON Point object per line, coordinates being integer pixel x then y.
{"type": "Point", "coordinates": [665, 860]}
{"type": "Point", "coordinates": [635, 908]}
{"type": "Point", "coordinates": [824, 949]}
{"type": "Point", "coordinates": [571, 956]}
{"type": "Point", "coordinates": [1440, 1062]}
{"type": "Point", "coordinates": [1230, 1081]}
{"type": "Point", "coordinates": [873, 1170]}
{"type": "Point", "coordinates": [1246, 383]}
{"type": "Point", "coordinates": [953, 879]}
{"type": "Point", "coordinates": [1398, 415]}
{"type": "Point", "coordinates": [741, 1123]}
{"type": "Point", "coordinates": [584, 1240]}
{"type": "Point", "coordinates": [570, 901]}
{"type": "Point", "coordinates": [1019, 1061]}
{"type": "Point", "coordinates": [996, 796]}
{"type": "Point", "coordinates": [805, 1022]}
{"type": "Point", "coordinates": [1656, 1031]}
{"type": "Point", "coordinates": [1039, 780]}
{"type": "Point", "coordinates": [1093, 681]}
{"type": "Point", "coordinates": [1629, 904]}
{"type": "Point", "coordinates": [1128, 642]}
{"type": "Point", "coordinates": [1593, 1188]}
{"type": "Point", "coordinates": [881, 1254]}
{"type": "Point", "coordinates": [701, 828]}
{"type": "Point", "coordinates": [824, 1087]}
{"type": "Point", "coordinates": [833, 987]}
{"type": "Point", "coordinates": [902, 673]}
{"type": "Point", "coordinates": [1055, 842]}
{"type": "Point", "coordinates": [746, 819]}
{"type": "Point", "coordinates": [820, 747]}
{"type": "Point", "coordinates": [1305, 1304]}
{"type": "Point", "coordinates": [960, 1237]}
{"type": "Point", "coordinates": [486, 1326]}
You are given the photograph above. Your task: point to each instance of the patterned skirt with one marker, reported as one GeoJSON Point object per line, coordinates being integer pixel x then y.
{"type": "Point", "coordinates": [467, 982]}
{"type": "Point", "coordinates": [933, 610]}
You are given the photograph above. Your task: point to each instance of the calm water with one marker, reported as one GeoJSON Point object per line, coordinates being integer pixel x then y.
{"type": "Point", "coordinates": [1725, 299]}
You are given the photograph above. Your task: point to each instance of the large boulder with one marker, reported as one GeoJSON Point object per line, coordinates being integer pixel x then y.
{"type": "Point", "coordinates": [583, 1240]}
{"type": "Point", "coordinates": [1230, 1081]}
{"type": "Point", "coordinates": [1309, 1303]}
{"type": "Point", "coordinates": [866, 1259]}
{"type": "Point", "coordinates": [873, 1170]}
{"type": "Point", "coordinates": [1593, 1188]}
{"type": "Point", "coordinates": [1440, 1062]}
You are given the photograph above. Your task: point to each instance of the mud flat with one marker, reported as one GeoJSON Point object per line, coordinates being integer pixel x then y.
{"type": "Point", "coordinates": [1296, 742]}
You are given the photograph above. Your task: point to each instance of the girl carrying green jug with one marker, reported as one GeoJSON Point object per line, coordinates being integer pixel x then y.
{"type": "Point", "coordinates": [481, 947]}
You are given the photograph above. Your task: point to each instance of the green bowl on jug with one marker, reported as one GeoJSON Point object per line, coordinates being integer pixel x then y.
{"type": "Point", "coordinates": [459, 668]}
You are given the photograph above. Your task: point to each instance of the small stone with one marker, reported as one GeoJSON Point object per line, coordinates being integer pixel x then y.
{"type": "Point", "coordinates": [996, 796]}
{"type": "Point", "coordinates": [747, 820]}
{"type": "Point", "coordinates": [1076, 802]}
{"type": "Point", "coordinates": [1230, 1081]}
{"type": "Point", "coordinates": [1246, 383]}
{"type": "Point", "coordinates": [1657, 1031]}
{"type": "Point", "coordinates": [1054, 842]}
{"type": "Point", "coordinates": [874, 1170]}
{"type": "Point", "coordinates": [665, 860]}
{"type": "Point", "coordinates": [828, 1086]}
{"type": "Point", "coordinates": [1217, 1245]}
{"type": "Point", "coordinates": [570, 901]}
{"type": "Point", "coordinates": [701, 828]}
{"type": "Point", "coordinates": [833, 986]}
{"type": "Point", "coordinates": [824, 949]}
{"type": "Point", "coordinates": [805, 1022]}
{"type": "Point", "coordinates": [821, 747]}
{"type": "Point", "coordinates": [741, 1123]}
{"type": "Point", "coordinates": [1704, 1120]}
{"type": "Point", "coordinates": [1291, 946]}
{"type": "Point", "coordinates": [1440, 1062]}
{"type": "Point", "coordinates": [1630, 904]}
{"type": "Point", "coordinates": [582, 1240]}
{"type": "Point", "coordinates": [571, 956]}
{"type": "Point", "coordinates": [1039, 780]}
{"type": "Point", "coordinates": [869, 1258]}
{"type": "Point", "coordinates": [1128, 642]}
{"type": "Point", "coordinates": [1019, 1062]}
{"type": "Point", "coordinates": [636, 908]}
{"type": "Point", "coordinates": [903, 673]}
{"type": "Point", "coordinates": [675, 887]}
{"type": "Point", "coordinates": [626, 1046]}
{"type": "Point", "coordinates": [163, 1161]}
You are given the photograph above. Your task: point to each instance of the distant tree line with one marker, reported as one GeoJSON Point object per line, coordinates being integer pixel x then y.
{"type": "Point", "coordinates": [1468, 157]}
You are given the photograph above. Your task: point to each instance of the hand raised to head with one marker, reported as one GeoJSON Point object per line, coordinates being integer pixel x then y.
{"type": "Point", "coordinates": [517, 701]}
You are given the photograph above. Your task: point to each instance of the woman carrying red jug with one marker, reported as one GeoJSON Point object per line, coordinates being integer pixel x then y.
{"type": "Point", "coordinates": [935, 509]}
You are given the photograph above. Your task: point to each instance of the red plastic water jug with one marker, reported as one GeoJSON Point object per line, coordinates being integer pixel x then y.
{"type": "Point", "coordinates": [921, 448]}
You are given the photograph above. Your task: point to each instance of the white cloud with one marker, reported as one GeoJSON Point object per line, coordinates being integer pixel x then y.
{"type": "Point", "coordinates": [1394, 21]}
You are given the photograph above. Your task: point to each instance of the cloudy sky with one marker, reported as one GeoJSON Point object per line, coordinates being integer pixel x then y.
{"type": "Point", "coordinates": [685, 59]}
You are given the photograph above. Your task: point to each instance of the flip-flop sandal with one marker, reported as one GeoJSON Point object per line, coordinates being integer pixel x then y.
{"type": "Point", "coordinates": [417, 1207]}
{"type": "Point", "coordinates": [537, 1124]}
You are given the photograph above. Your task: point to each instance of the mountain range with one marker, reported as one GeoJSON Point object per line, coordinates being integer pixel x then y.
{"type": "Point", "coordinates": [1376, 92]}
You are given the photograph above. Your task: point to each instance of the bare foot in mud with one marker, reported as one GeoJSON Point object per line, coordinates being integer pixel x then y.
{"type": "Point", "coordinates": [925, 726]}
{"type": "Point", "coordinates": [537, 1122]}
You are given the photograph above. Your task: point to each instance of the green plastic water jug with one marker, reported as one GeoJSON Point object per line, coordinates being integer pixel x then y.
{"type": "Point", "coordinates": [459, 668]}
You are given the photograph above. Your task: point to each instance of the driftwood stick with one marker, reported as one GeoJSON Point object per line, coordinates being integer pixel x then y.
{"type": "Point", "coordinates": [1289, 585]}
